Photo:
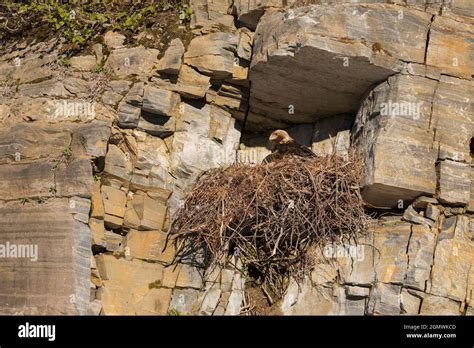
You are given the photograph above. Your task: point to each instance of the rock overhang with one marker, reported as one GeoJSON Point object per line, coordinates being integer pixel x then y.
{"type": "Point", "coordinates": [318, 61]}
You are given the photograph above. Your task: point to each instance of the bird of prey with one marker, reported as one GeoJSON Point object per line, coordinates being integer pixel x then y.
{"type": "Point", "coordinates": [283, 144]}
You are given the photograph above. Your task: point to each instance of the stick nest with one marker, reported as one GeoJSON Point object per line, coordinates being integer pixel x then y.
{"type": "Point", "coordinates": [271, 215]}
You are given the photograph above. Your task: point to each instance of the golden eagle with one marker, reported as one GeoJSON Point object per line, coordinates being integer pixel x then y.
{"type": "Point", "coordinates": [283, 144]}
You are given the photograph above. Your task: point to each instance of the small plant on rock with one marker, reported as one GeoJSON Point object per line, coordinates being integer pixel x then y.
{"type": "Point", "coordinates": [174, 313]}
{"type": "Point", "coordinates": [155, 285]}
{"type": "Point", "coordinates": [98, 68]}
{"type": "Point", "coordinates": [66, 151]}
{"type": "Point", "coordinates": [64, 62]}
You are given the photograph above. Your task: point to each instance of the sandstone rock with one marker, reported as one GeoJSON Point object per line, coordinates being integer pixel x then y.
{"type": "Point", "coordinates": [189, 277]}
{"type": "Point", "coordinates": [353, 53]}
{"type": "Point", "coordinates": [4, 112]}
{"type": "Point", "coordinates": [170, 275]}
{"type": "Point", "coordinates": [149, 245]}
{"type": "Point", "coordinates": [26, 180]}
{"type": "Point", "coordinates": [253, 149]}
{"type": "Point", "coordinates": [409, 304]}
{"type": "Point", "coordinates": [114, 40]}
{"type": "Point", "coordinates": [144, 213]}
{"type": "Point", "coordinates": [391, 259]}
{"type": "Point", "coordinates": [396, 142]}
{"type": "Point", "coordinates": [411, 215]}
{"type": "Point", "coordinates": [118, 164]}
{"type": "Point", "coordinates": [33, 69]}
{"type": "Point", "coordinates": [75, 179]}
{"type": "Point", "coordinates": [159, 101]}
{"type": "Point", "coordinates": [420, 257]}
{"type": "Point", "coordinates": [171, 61]}
{"type": "Point", "coordinates": [308, 300]}
{"type": "Point", "coordinates": [93, 138]}
{"type": "Point", "coordinates": [113, 241]}
{"type": "Point", "coordinates": [135, 94]}
{"type": "Point", "coordinates": [98, 231]}
{"type": "Point", "coordinates": [423, 201]}
{"type": "Point", "coordinates": [26, 142]}
{"type": "Point", "coordinates": [450, 52]}
{"type": "Point", "coordinates": [83, 63]}
{"type": "Point", "coordinates": [80, 208]}
{"type": "Point", "coordinates": [111, 98]}
{"type": "Point", "coordinates": [435, 305]}
{"type": "Point", "coordinates": [211, 15]}
{"type": "Point", "coordinates": [432, 212]}
{"type": "Point", "coordinates": [226, 281]}
{"type": "Point", "coordinates": [249, 12]}
{"type": "Point", "coordinates": [128, 115]}
{"type": "Point", "coordinates": [152, 152]}
{"type": "Point", "coordinates": [355, 262]}
{"type": "Point", "coordinates": [155, 302]}
{"type": "Point", "coordinates": [132, 61]}
{"type": "Point", "coordinates": [239, 76]}
{"type": "Point", "coordinates": [184, 301]}
{"type": "Point", "coordinates": [157, 125]}
{"type": "Point", "coordinates": [463, 7]}
{"type": "Point", "coordinates": [78, 87]}
{"type": "Point", "coordinates": [35, 109]}
{"type": "Point", "coordinates": [385, 299]}
{"type": "Point", "coordinates": [453, 118]}
{"type": "Point", "coordinates": [50, 88]}
{"type": "Point", "coordinates": [194, 152]}
{"type": "Point", "coordinates": [114, 201]}
{"type": "Point", "coordinates": [61, 274]}
{"type": "Point", "coordinates": [212, 54]}
{"type": "Point", "coordinates": [127, 285]}
{"type": "Point", "coordinates": [454, 182]}
{"type": "Point", "coordinates": [191, 84]}
{"type": "Point", "coordinates": [470, 207]}
{"type": "Point", "coordinates": [244, 48]}
{"type": "Point", "coordinates": [210, 301]}
{"type": "Point", "coordinates": [449, 276]}
{"type": "Point", "coordinates": [448, 226]}
{"type": "Point", "coordinates": [357, 292]}
{"type": "Point", "coordinates": [121, 86]}
{"type": "Point", "coordinates": [99, 52]}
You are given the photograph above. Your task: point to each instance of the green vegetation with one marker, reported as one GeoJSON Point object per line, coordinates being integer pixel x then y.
{"type": "Point", "coordinates": [24, 200]}
{"type": "Point", "coordinates": [55, 164]}
{"type": "Point", "coordinates": [174, 313]}
{"type": "Point", "coordinates": [185, 14]}
{"type": "Point", "coordinates": [97, 177]}
{"type": "Point", "coordinates": [66, 155]}
{"type": "Point", "coordinates": [64, 62]}
{"type": "Point", "coordinates": [66, 151]}
{"type": "Point", "coordinates": [98, 68]}
{"type": "Point", "coordinates": [155, 285]}
{"type": "Point", "coordinates": [81, 22]}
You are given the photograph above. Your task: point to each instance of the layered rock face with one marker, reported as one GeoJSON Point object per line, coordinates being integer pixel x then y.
{"type": "Point", "coordinates": [94, 164]}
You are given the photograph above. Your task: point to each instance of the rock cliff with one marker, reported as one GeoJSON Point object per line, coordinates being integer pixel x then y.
{"type": "Point", "coordinates": [95, 162]}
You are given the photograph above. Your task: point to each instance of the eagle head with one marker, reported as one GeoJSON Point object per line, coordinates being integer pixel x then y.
{"type": "Point", "coordinates": [280, 137]}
